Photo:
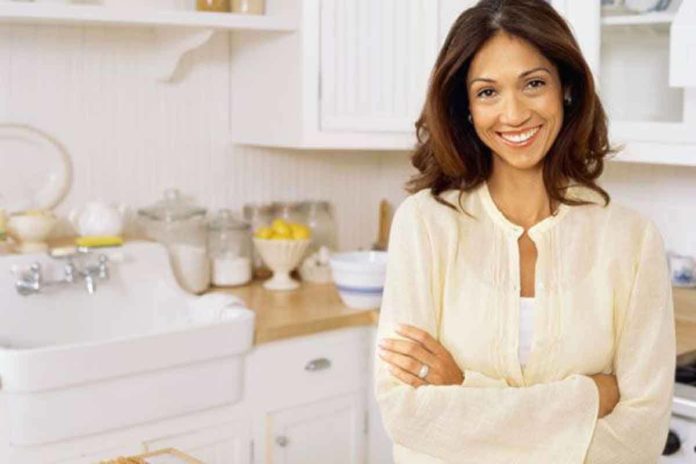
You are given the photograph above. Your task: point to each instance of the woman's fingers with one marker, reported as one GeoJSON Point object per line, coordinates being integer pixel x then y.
{"type": "Point", "coordinates": [409, 348]}
{"type": "Point", "coordinates": [422, 337]}
{"type": "Point", "coordinates": [406, 363]}
{"type": "Point", "coordinates": [406, 376]}
{"type": "Point", "coordinates": [424, 349]}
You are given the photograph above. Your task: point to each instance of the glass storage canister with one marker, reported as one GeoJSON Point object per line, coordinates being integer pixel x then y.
{"type": "Point", "coordinates": [230, 246]}
{"type": "Point", "coordinates": [259, 215]}
{"type": "Point", "coordinates": [320, 220]}
{"type": "Point", "coordinates": [248, 6]}
{"type": "Point", "coordinates": [180, 225]}
{"type": "Point", "coordinates": [290, 211]}
{"type": "Point", "coordinates": [220, 6]}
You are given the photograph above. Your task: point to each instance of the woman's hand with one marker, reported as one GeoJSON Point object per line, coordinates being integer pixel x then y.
{"type": "Point", "coordinates": [609, 395]}
{"type": "Point", "coordinates": [407, 357]}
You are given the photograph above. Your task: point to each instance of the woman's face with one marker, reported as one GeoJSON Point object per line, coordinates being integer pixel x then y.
{"type": "Point", "coordinates": [516, 101]}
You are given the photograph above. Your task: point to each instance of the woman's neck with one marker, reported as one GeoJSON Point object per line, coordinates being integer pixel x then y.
{"type": "Point", "coordinates": [520, 195]}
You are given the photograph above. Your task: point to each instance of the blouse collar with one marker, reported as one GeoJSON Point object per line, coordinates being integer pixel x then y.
{"type": "Point", "coordinates": [516, 230]}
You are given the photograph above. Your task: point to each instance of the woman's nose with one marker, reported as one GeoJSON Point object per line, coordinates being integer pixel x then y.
{"type": "Point", "coordinates": [514, 111]}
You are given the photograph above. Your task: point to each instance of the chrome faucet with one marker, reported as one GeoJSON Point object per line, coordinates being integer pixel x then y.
{"type": "Point", "coordinates": [31, 281]}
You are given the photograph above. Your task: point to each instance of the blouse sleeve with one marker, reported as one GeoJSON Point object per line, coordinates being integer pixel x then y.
{"type": "Point", "coordinates": [644, 363]}
{"type": "Point", "coordinates": [483, 419]}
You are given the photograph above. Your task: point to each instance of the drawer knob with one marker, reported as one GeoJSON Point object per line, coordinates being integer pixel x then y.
{"type": "Point", "coordinates": [318, 364]}
{"type": "Point", "coordinates": [282, 441]}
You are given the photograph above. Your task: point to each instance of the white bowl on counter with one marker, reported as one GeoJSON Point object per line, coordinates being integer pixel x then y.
{"type": "Point", "coordinates": [31, 231]}
{"type": "Point", "coordinates": [281, 257]}
{"type": "Point", "coordinates": [359, 277]}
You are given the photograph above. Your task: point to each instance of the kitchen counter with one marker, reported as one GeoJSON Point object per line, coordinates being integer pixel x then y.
{"type": "Point", "coordinates": [310, 309]}
{"type": "Point", "coordinates": [685, 314]}
{"type": "Point", "coordinates": [316, 308]}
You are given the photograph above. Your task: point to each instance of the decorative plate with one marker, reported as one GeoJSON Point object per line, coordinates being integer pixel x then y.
{"type": "Point", "coordinates": [36, 170]}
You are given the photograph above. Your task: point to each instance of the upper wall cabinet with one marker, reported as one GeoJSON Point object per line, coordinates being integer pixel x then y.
{"type": "Point", "coordinates": [353, 77]}
{"type": "Point", "coordinates": [645, 66]}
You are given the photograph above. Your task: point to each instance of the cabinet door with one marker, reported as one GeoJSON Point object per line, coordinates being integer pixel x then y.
{"type": "Point", "coordinates": [376, 57]}
{"type": "Point", "coordinates": [330, 431]}
{"type": "Point", "coordinates": [223, 444]}
{"type": "Point", "coordinates": [585, 21]}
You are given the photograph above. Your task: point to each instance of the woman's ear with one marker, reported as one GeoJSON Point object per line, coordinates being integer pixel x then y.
{"type": "Point", "coordinates": [567, 96]}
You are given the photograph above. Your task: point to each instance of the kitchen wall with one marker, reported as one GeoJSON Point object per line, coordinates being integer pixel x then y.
{"type": "Point", "coordinates": [130, 136]}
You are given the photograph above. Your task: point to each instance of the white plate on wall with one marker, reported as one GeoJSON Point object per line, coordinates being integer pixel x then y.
{"type": "Point", "coordinates": [35, 169]}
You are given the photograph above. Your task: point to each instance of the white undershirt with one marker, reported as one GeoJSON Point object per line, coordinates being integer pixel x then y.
{"type": "Point", "coordinates": [526, 328]}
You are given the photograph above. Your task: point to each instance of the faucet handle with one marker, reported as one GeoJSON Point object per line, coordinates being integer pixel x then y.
{"type": "Point", "coordinates": [69, 271]}
{"type": "Point", "coordinates": [90, 284]}
{"type": "Point", "coordinates": [33, 274]}
{"type": "Point", "coordinates": [103, 267]}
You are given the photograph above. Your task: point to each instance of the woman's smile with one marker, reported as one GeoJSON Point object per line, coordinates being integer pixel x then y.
{"type": "Point", "coordinates": [520, 139]}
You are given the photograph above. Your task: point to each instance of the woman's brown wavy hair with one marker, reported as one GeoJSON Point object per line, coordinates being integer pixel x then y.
{"type": "Point", "coordinates": [449, 153]}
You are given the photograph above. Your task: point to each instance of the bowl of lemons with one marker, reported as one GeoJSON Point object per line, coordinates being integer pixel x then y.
{"type": "Point", "coordinates": [281, 246]}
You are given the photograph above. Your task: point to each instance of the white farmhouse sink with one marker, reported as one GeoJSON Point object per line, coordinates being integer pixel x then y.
{"type": "Point", "coordinates": [137, 350]}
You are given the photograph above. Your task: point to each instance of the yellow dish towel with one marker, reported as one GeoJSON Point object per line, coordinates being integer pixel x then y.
{"type": "Point", "coordinates": [94, 241]}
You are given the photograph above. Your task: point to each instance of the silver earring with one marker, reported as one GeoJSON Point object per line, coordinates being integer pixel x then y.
{"type": "Point", "coordinates": [568, 100]}
{"type": "Point", "coordinates": [471, 120]}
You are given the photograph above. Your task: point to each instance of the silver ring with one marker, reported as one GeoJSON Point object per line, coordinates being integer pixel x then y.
{"type": "Point", "coordinates": [423, 372]}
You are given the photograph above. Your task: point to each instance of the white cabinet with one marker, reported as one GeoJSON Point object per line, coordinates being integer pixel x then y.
{"type": "Point", "coordinates": [642, 65]}
{"type": "Point", "coordinates": [374, 63]}
{"type": "Point", "coordinates": [353, 77]}
{"type": "Point", "coordinates": [331, 430]}
{"type": "Point", "coordinates": [308, 398]}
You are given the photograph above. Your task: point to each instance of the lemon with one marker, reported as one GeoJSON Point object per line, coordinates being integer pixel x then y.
{"type": "Point", "coordinates": [264, 233]}
{"type": "Point", "coordinates": [284, 235]}
{"type": "Point", "coordinates": [300, 231]}
{"type": "Point", "coordinates": [281, 230]}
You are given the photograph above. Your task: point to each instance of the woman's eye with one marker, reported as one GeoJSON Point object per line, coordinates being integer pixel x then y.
{"type": "Point", "coordinates": [536, 83]}
{"type": "Point", "coordinates": [485, 93]}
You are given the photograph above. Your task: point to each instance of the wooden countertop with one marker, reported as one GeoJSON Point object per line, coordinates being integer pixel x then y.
{"type": "Point", "coordinates": [685, 315]}
{"type": "Point", "coordinates": [316, 307]}
{"type": "Point", "coordinates": [310, 309]}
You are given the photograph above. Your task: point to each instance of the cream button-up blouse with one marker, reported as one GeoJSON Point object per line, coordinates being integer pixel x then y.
{"type": "Point", "coordinates": [603, 304]}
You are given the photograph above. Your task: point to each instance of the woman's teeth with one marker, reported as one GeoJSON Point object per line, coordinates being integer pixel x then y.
{"type": "Point", "coordinates": [520, 138]}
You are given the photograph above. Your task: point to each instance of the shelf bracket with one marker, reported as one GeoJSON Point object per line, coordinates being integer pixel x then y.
{"type": "Point", "coordinates": [172, 44]}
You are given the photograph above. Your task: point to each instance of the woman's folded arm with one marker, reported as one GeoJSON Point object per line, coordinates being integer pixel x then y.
{"type": "Point", "coordinates": [636, 431]}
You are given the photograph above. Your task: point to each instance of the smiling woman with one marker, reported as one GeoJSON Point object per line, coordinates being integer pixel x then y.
{"type": "Point", "coordinates": [524, 318]}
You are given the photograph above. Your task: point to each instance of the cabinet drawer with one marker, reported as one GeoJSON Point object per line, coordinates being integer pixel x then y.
{"type": "Point", "coordinates": [308, 368]}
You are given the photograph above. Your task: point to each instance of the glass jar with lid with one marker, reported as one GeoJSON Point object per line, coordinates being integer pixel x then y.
{"type": "Point", "coordinates": [174, 219]}
{"type": "Point", "coordinates": [259, 215]}
{"type": "Point", "coordinates": [179, 224]}
{"type": "Point", "coordinates": [320, 220]}
{"type": "Point", "coordinates": [219, 6]}
{"type": "Point", "coordinates": [290, 211]}
{"type": "Point", "coordinates": [248, 6]}
{"type": "Point", "coordinates": [230, 247]}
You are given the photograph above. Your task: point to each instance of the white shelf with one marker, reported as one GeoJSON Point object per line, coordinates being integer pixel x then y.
{"type": "Point", "coordinates": [647, 19]}
{"type": "Point", "coordinates": [175, 32]}
{"type": "Point", "coordinates": [28, 13]}
{"type": "Point", "coordinates": [658, 153]}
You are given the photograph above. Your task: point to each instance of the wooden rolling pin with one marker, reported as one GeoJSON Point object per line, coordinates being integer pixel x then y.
{"type": "Point", "coordinates": [384, 226]}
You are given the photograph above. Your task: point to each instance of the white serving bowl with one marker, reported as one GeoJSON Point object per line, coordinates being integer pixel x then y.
{"type": "Point", "coordinates": [281, 257]}
{"type": "Point", "coordinates": [359, 277]}
{"type": "Point", "coordinates": [31, 231]}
